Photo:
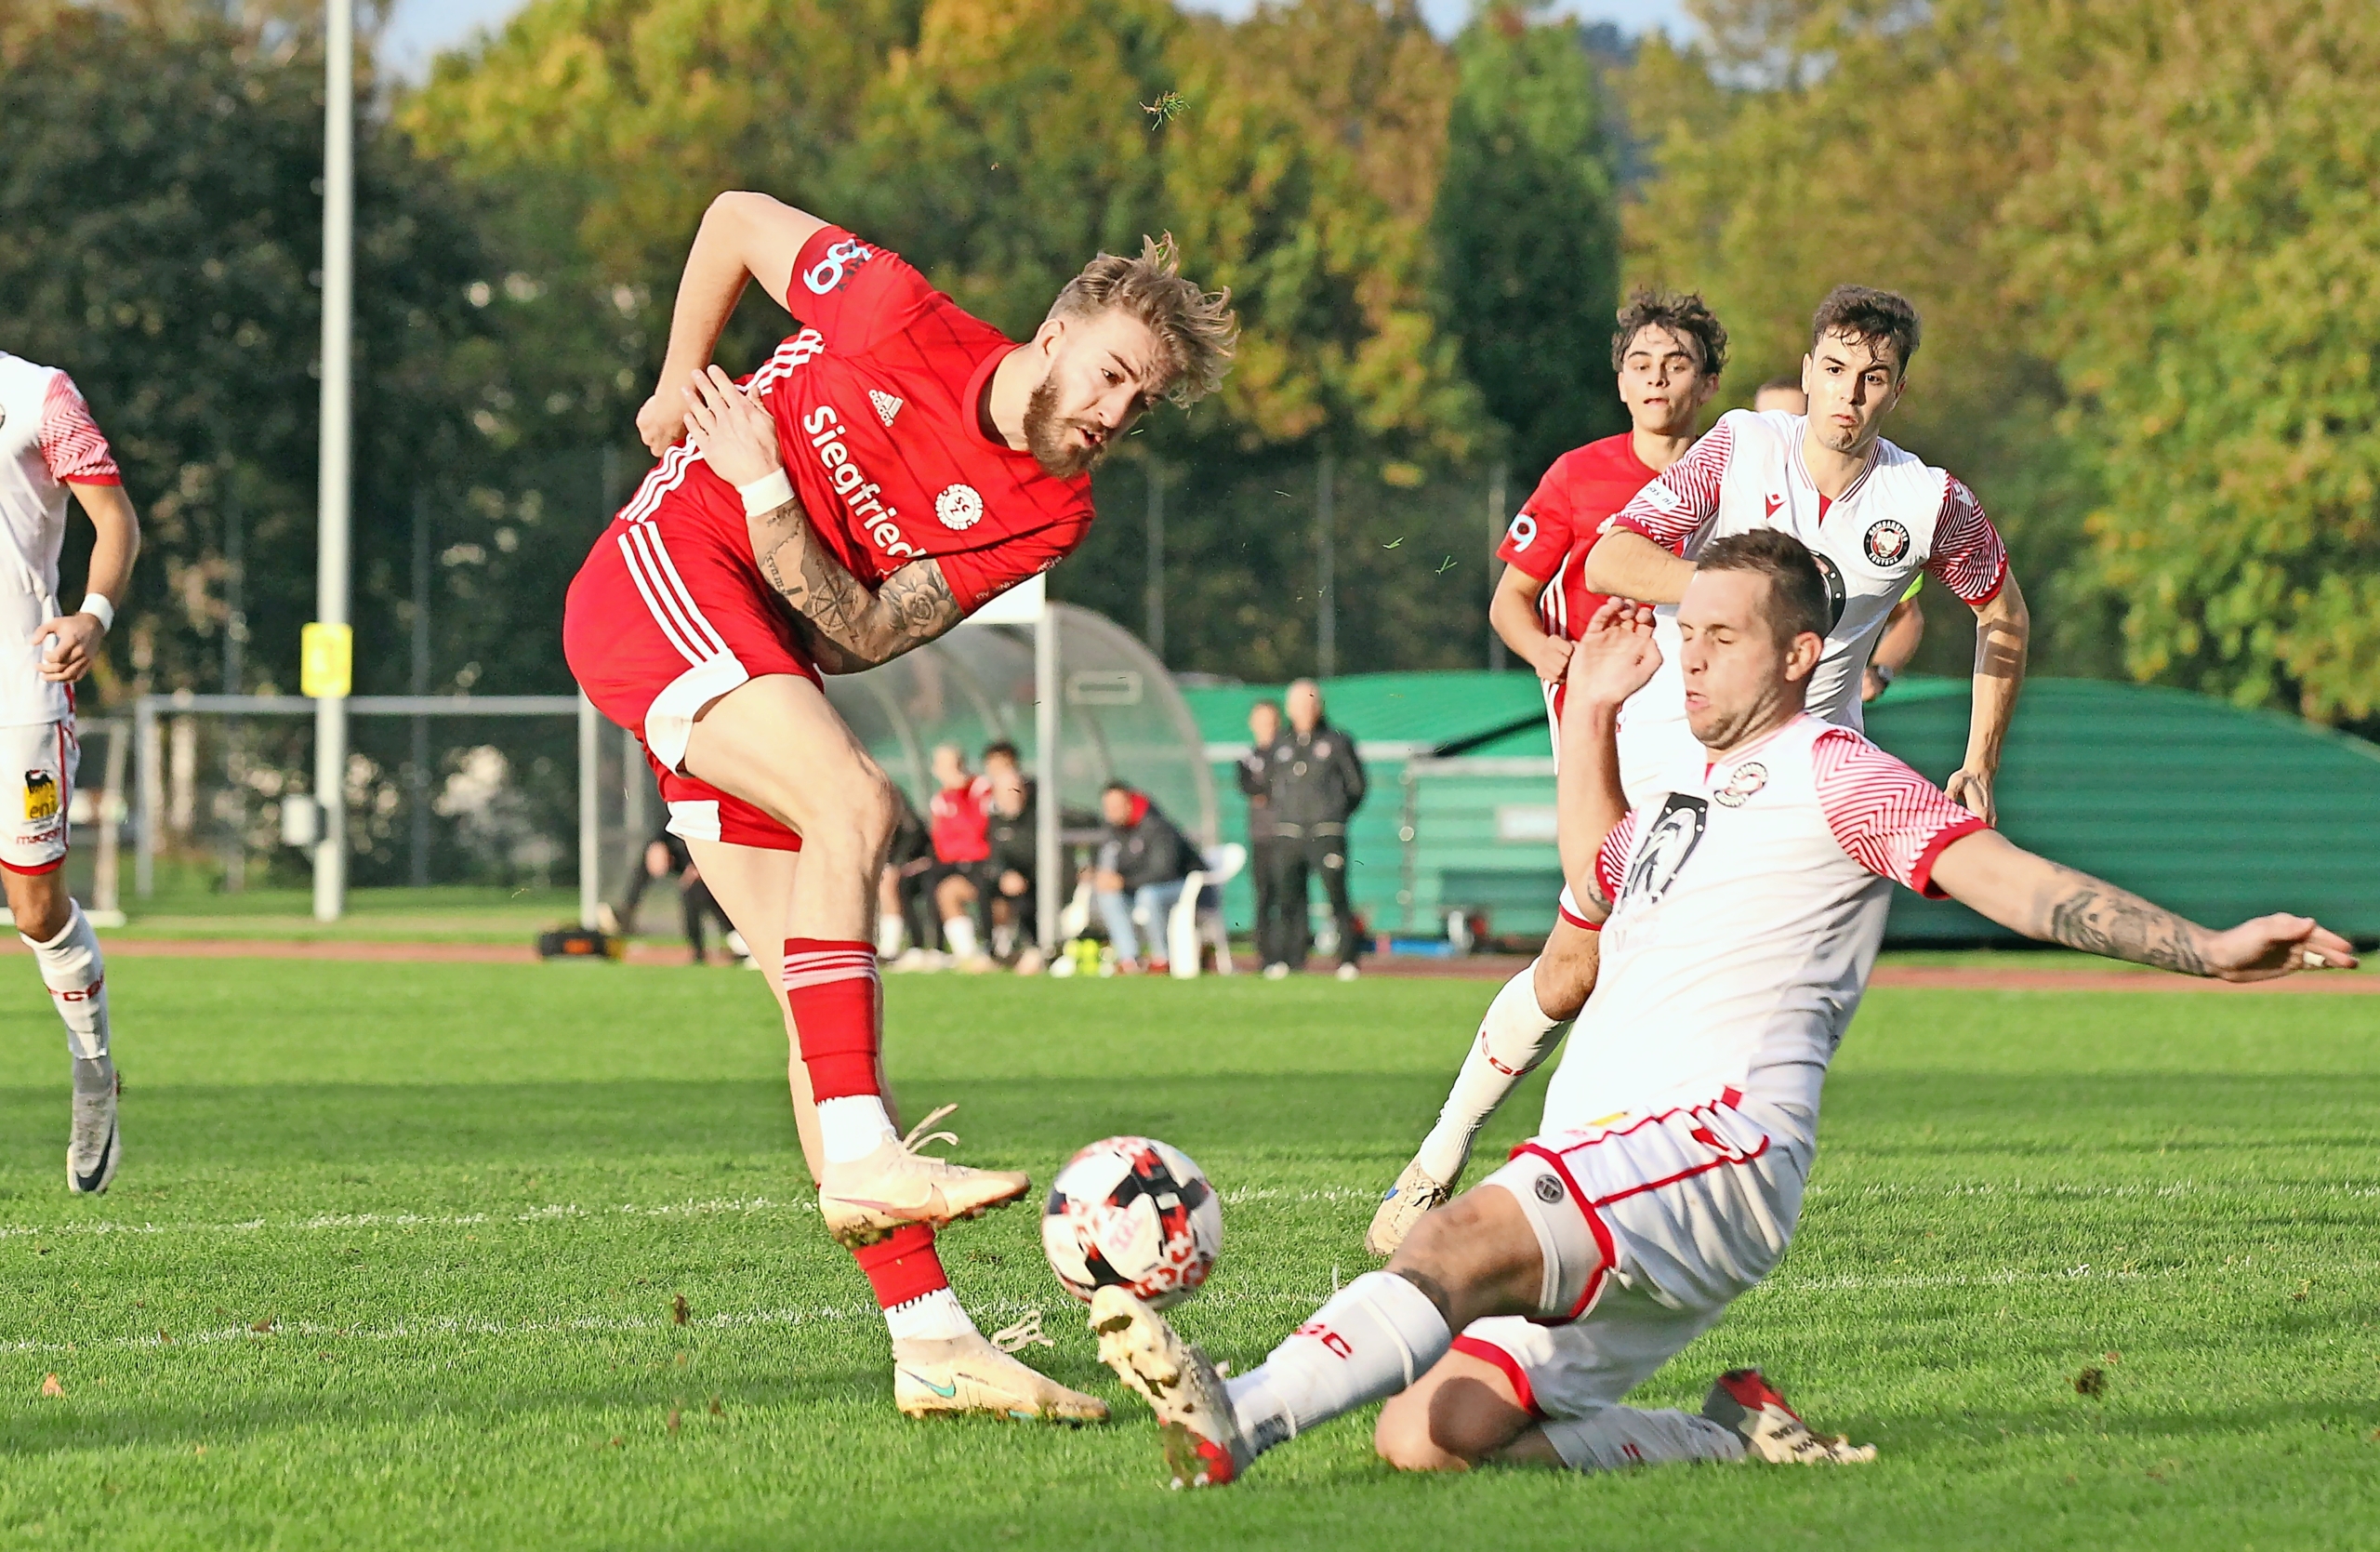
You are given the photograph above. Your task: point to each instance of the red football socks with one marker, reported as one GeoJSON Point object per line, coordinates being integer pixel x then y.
{"type": "Point", "coordinates": [838, 1005]}
{"type": "Point", "coordinates": [902, 1266]}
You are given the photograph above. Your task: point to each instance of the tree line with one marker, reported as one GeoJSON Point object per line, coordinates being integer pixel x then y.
{"type": "Point", "coordinates": [2142, 236]}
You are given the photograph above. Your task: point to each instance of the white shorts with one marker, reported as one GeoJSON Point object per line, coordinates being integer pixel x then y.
{"type": "Point", "coordinates": [1650, 1227]}
{"type": "Point", "coordinates": [39, 785]}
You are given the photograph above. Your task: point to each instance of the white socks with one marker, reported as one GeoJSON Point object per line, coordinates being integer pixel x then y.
{"type": "Point", "coordinates": [934, 1317]}
{"type": "Point", "coordinates": [76, 976]}
{"type": "Point", "coordinates": [852, 1127]}
{"type": "Point", "coordinates": [1375, 1336]}
{"type": "Point", "coordinates": [890, 934]}
{"type": "Point", "coordinates": [1619, 1437]}
{"type": "Point", "coordinates": [1514, 1037]}
{"type": "Point", "coordinates": [960, 930]}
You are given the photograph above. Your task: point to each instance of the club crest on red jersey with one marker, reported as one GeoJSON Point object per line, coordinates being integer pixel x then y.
{"type": "Point", "coordinates": [1885, 543]}
{"type": "Point", "coordinates": [958, 505]}
{"type": "Point", "coordinates": [1742, 782]}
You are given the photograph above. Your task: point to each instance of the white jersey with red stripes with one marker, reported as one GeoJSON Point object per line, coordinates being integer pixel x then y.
{"type": "Point", "coordinates": [1900, 517]}
{"type": "Point", "coordinates": [46, 439]}
{"type": "Point", "coordinates": [1747, 909]}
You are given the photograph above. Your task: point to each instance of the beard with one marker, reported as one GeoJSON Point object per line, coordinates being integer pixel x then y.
{"type": "Point", "coordinates": [1046, 435]}
{"type": "Point", "coordinates": [1719, 729]}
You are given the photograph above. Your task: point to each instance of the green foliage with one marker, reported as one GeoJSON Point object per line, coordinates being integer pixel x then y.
{"type": "Point", "coordinates": [1525, 236]}
{"type": "Point", "coordinates": [2143, 243]}
{"type": "Point", "coordinates": [160, 237]}
{"type": "Point", "coordinates": [2206, 255]}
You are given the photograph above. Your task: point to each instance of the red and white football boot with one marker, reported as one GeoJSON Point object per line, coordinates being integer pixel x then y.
{"type": "Point", "coordinates": [1743, 1400]}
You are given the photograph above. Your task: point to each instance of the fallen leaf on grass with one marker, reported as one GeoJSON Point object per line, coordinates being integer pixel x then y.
{"type": "Point", "coordinates": [263, 1325]}
{"type": "Point", "coordinates": [2091, 1382]}
{"type": "Point", "coordinates": [678, 1308]}
{"type": "Point", "coordinates": [49, 1386]}
{"type": "Point", "coordinates": [716, 1410]}
{"type": "Point", "coordinates": [2305, 1286]}
{"type": "Point", "coordinates": [672, 1424]}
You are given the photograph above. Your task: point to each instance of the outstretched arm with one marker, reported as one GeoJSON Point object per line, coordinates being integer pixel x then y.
{"type": "Point", "coordinates": [1627, 565]}
{"type": "Point", "coordinates": [850, 627]}
{"type": "Point", "coordinates": [1611, 662]}
{"type": "Point", "coordinates": [744, 236]}
{"type": "Point", "coordinates": [2044, 900]}
{"type": "Point", "coordinates": [2003, 628]}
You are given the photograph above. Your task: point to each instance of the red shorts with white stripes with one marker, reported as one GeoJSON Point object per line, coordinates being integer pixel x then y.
{"type": "Point", "coordinates": [664, 618]}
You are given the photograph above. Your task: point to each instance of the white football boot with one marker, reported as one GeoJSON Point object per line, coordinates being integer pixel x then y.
{"type": "Point", "coordinates": [962, 1376]}
{"type": "Point", "coordinates": [867, 1199]}
{"type": "Point", "coordinates": [1416, 1192]}
{"type": "Point", "coordinates": [1203, 1444]}
{"type": "Point", "coordinates": [93, 1148]}
{"type": "Point", "coordinates": [1743, 1400]}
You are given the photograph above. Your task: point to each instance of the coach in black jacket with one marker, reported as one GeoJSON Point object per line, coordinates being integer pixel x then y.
{"type": "Point", "coordinates": [1275, 924]}
{"type": "Point", "coordinates": [1316, 783]}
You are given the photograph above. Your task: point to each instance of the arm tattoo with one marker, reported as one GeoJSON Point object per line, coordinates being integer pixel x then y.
{"type": "Point", "coordinates": [2081, 912]}
{"type": "Point", "coordinates": [856, 628]}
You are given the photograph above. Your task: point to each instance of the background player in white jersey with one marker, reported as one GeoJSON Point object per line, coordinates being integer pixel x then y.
{"type": "Point", "coordinates": [1905, 627]}
{"type": "Point", "coordinates": [1874, 516]}
{"type": "Point", "coordinates": [1878, 520]}
{"type": "Point", "coordinates": [1743, 911]}
{"type": "Point", "coordinates": [49, 446]}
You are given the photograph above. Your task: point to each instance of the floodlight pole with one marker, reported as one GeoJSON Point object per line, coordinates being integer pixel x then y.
{"type": "Point", "coordinates": [331, 560]}
{"type": "Point", "coordinates": [1047, 886]}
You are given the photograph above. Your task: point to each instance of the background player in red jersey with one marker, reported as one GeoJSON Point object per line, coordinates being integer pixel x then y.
{"type": "Point", "coordinates": [1667, 352]}
{"type": "Point", "coordinates": [895, 463]}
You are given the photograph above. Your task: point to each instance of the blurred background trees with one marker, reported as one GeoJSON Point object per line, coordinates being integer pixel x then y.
{"type": "Point", "coordinates": [2143, 240]}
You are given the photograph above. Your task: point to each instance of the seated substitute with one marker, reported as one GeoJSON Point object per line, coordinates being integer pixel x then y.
{"type": "Point", "coordinates": [1668, 1174]}
{"type": "Point", "coordinates": [959, 815]}
{"type": "Point", "coordinates": [1143, 860]}
{"type": "Point", "coordinates": [1012, 829]}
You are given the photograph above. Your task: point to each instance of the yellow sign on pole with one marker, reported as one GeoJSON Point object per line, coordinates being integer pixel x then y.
{"type": "Point", "coordinates": [326, 661]}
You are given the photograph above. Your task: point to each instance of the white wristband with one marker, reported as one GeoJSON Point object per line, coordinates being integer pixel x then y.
{"type": "Point", "coordinates": [96, 605]}
{"type": "Point", "coordinates": [766, 494]}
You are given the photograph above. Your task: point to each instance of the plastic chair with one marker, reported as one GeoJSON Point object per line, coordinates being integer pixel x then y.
{"type": "Point", "coordinates": [1197, 917]}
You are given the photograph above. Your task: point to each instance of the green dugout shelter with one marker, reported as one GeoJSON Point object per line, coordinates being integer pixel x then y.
{"type": "Point", "coordinates": [2216, 812]}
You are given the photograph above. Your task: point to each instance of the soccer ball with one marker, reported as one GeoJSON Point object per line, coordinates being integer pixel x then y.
{"type": "Point", "coordinates": [1135, 1213]}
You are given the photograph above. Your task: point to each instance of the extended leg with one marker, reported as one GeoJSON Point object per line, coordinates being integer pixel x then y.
{"type": "Point", "coordinates": [1522, 1026]}
{"type": "Point", "coordinates": [941, 1361]}
{"type": "Point", "coordinates": [67, 951]}
{"type": "Point", "coordinates": [1375, 1336]}
{"type": "Point", "coordinates": [776, 743]}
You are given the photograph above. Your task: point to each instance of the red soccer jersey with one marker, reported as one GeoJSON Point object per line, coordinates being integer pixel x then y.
{"type": "Point", "coordinates": [876, 406]}
{"type": "Point", "coordinates": [961, 818]}
{"type": "Point", "coordinates": [1561, 522]}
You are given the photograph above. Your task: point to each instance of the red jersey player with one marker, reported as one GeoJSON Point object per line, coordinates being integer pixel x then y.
{"type": "Point", "coordinates": [1668, 352]}
{"type": "Point", "coordinates": [894, 464]}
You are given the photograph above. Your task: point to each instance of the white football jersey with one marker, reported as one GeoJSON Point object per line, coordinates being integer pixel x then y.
{"type": "Point", "coordinates": [1899, 517]}
{"type": "Point", "coordinates": [46, 439]}
{"type": "Point", "coordinates": [1747, 909]}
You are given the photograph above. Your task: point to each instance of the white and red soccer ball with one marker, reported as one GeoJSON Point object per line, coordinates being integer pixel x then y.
{"type": "Point", "coordinates": [1136, 1213]}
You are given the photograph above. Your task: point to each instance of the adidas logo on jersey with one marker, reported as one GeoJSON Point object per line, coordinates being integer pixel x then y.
{"type": "Point", "coordinates": [886, 407]}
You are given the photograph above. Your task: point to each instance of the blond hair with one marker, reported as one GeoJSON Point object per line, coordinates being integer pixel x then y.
{"type": "Point", "coordinates": [1195, 330]}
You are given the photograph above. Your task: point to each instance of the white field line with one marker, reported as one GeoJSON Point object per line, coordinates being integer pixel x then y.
{"type": "Point", "coordinates": [749, 1206]}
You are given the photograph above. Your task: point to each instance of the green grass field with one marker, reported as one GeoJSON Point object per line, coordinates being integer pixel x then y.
{"type": "Point", "coordinates": [392, 1258]}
